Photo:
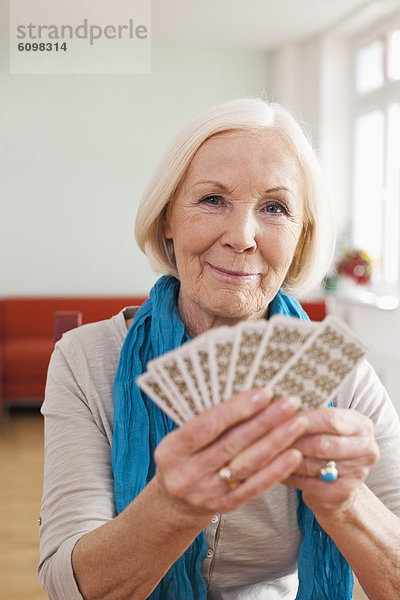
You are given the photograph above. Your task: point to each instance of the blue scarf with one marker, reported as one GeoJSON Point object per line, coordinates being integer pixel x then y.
{"type": "Point", "coordinates": [139, 426]}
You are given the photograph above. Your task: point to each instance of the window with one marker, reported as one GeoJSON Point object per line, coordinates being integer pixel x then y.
{"type": "Point", "coordinates": [376, 184]}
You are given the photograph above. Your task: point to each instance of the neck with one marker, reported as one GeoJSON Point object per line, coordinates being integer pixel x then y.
{"type": "Point", "coordinates": [198, 321]}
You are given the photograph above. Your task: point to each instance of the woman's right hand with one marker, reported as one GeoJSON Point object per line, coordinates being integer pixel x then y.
{"type": "Point", "coordinates": [248, 433]}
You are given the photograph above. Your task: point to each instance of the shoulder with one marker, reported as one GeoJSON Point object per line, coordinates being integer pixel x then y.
{"type": "Point", "coordinates": [90, 352]}
{"type": "Point", "coordinates": [98, 337]}
{"type": "Point", "coordinates": [82, 370]}
{"type": "Point", "coordinates": [362, 390]}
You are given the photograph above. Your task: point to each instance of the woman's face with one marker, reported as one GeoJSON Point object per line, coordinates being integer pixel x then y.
{"type": "Point", "coordinates": [236, 223]}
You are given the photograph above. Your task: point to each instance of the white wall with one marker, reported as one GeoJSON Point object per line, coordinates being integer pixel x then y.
{"type": "Point", "coordinates": [75, 155]}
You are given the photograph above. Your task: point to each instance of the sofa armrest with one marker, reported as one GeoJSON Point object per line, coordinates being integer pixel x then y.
{"type": "Point", "coordinates": [64, 320]}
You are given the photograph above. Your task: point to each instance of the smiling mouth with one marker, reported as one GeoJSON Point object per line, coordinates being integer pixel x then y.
{"type": "Point", "coordinates": [238, 275]}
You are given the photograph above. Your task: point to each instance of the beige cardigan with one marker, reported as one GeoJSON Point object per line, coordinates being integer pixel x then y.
{"type": "Point", "coordinates": [252, 552]}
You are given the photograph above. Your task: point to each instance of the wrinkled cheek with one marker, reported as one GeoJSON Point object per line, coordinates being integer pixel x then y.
{"type": "Point", "coordinates": [189, 268]}
{"type": "Point", "coordinates": [279, 259]}
{"type": "Point", "coordinates": [270, 284]}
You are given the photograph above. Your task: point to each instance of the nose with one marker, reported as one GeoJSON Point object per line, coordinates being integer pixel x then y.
{"type": "Point", "coordinates": [240, 233]}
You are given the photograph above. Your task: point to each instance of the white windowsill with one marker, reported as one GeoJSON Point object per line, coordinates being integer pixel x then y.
{"type": "Point", "coordinates": [366, 297]}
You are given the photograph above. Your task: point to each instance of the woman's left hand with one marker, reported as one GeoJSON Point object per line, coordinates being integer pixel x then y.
{"type": "Point", "coordinates": [342, 435]}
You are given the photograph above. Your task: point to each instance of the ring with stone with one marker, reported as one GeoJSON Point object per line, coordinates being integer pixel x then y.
{"type": "Point", "coordinates": [228, 476]}
{"type": "Point", "coordinates": [329, 472]}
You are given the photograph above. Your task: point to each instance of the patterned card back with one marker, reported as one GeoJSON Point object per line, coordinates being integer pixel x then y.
{"type": "Point", "coordinates": [287, 355]}
{"type": "Point", "coordinates": [320, 365]}
{"type": "Point", "coordinates": [284, 337]}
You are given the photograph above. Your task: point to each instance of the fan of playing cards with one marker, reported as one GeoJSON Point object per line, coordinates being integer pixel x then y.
{"type": "Point", "coordinates": [288, 356]}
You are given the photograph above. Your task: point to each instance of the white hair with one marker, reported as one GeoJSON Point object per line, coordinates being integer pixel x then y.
{"type": "Point", "coordinates": [254, 115]}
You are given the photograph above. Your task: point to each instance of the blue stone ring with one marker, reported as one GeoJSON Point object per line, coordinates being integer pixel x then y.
{"type": "Point", "coordinates": [329, 472]}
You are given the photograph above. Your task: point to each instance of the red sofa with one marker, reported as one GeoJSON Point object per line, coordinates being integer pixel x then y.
{"type": "Point", "coordinates": [27, 339]}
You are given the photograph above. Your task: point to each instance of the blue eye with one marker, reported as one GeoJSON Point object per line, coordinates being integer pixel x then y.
{"type": "Point", "coordinates": [213, 200]}
{"type": "Point", "coordinates": [275, 208]}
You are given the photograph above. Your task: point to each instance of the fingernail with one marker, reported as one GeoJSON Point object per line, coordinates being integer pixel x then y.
{"type": "Point", "coordinates": [298, 425]}
{"type": "Point", "coordinates": [260, 396]}
{"type": "Point", "coordinates": [273, 395]}
{"type": "Point", "coordinates": [270, 394]}
{"type": "Point", "coordinates": [294, 401]}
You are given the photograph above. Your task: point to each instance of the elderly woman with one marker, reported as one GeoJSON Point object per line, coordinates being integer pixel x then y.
{"type": "Point", "coordinates": [134, 507]}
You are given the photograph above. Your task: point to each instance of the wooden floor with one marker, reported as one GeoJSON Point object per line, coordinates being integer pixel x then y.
{"type": "Point", "coordinates": [21, 462]}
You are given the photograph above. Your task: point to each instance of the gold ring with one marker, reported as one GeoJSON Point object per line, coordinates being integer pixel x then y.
{"type": "Point", "coordinates": [229, 478]}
